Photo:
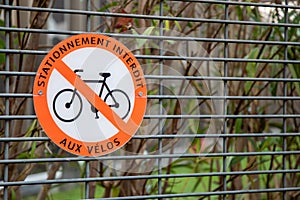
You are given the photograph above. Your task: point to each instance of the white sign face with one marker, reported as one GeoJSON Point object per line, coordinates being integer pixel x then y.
{"type": "Point", "coordinates": [88, 120]}
{"type": "Point", "coordinates": [94, 93]}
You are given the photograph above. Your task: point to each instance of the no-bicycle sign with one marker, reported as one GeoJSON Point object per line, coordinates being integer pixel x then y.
{"type": "Point", "coordinates": [90, 94]}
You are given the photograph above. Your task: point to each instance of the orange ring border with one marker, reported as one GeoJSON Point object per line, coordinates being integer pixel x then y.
{"type": "Point", "coordinates": [46, 120]}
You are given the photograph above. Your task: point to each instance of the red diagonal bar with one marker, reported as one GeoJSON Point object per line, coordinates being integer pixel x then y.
{"type": "Point", "coordinates": [129, 128]}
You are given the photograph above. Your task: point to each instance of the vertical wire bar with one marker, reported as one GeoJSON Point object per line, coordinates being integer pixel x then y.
{"type": "Point", "coordinates": [7, 104]}
{"type": "Point", "coordinates": [284, 145]}
{"type": "Point", "coordinates": [224, 150]}
{"type": "Point", "coordinates": [160, 125]}
{"type": "Point", "coordinates": [87, 163]}
{"type": "Point", "coordinates": [88, 16]}
{"type": "Point", "coordinates": [87, 174]}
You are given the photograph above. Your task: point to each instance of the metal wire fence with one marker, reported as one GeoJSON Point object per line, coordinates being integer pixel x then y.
{"type": "Point", "coordinates": [222, 120]}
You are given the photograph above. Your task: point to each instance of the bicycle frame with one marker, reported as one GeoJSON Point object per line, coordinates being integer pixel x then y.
{"type": "Point", "coordinates": [104, 85]}
{"type": "Point", "coordinates": [109, 98]}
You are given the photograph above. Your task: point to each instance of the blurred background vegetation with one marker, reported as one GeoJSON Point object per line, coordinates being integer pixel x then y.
{"type": "Point", "coordinates": [260, 89]}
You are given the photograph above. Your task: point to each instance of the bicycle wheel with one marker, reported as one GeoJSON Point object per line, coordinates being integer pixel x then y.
{"type": "Point", "coordinates": [119, 101]}
{"type": "Point", "coordinates": [67, 105]}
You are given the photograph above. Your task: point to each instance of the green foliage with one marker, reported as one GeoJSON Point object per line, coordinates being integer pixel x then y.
{"type": "Point", "coordinates": [295, 70]}
{"type": "Point", "coordinates": [251, 68]}
{"type": "Point", "coordinates": [232, 160]}
{"type": "Point", "coordinates": [2, 43]}
{"type": "Point", "coordinates": [274, 70]}
{"type": "Point", "coordinates": [238, 125]}
{"type": "Point", "coordinates": [140, 41]}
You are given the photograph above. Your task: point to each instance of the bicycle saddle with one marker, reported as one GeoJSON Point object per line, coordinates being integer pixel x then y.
{"type": "Point", "coordinates": [105, 74]}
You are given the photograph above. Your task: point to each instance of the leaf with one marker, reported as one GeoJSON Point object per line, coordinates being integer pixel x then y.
{"type": "Point", "coordinates": [23, 155]}
{"type": "Point", "coordinates": [249, 10]}
{"type": "Point", "coordinates": [238, 125]}
{"type": "Point", "coordinates": [31, 127]}
{"type": "Point", "coordinates": [193, 124]}
{"type": "Point", "coordinates": [115, 192]}
{"type": "Point", "coordinates": [253, 142]}
{"type": "Point", "coordinates": [196, 185]}
{"type": "Point", "coordinates": [2, 25]}
{"type": "Point", "coordinates": [274, 86]}
{"type": "Point", "coordinates": [274, 71]}
{"type": "Point", "coordinates": [167, 25]}
{"type": "Point", "coordinates": [147, 32]}
{"type": "Point", "coordinates": [2, 43]}
{"type": "Point", "coordinates": [178, 26]}
{"type": "Point", "coordinates": [251, 68]}
{"type": "Point", "coordinates": [33, 148]}
{"type": "Point", "coordinates": [239, 12]}
{"type": "Point", "coordinates": [236, 159]}
{"type": "Point", "coordinates": [267, 142]}
{"type": "Point", "coordinates": [295, 70]}
{"type": "Point", "coordinates": [2, 55]}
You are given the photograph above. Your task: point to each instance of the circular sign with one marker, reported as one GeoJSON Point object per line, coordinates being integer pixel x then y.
{"type": "Point", "coordinates": [90, 94]}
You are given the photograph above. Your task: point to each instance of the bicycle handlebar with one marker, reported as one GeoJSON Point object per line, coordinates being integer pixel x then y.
{"type": "Point", "coordinates": [78, 70]}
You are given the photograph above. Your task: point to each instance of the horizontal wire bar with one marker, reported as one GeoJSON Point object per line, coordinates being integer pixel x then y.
{"type": "Point", "coordinates": [220, 78]}
{"type": "Point", "coordinates": [16, 95]}
{"type": "Point", "coordinates": [216, 135]}
{"type": "Point", "coordinates": [22, 51]}
{"type": "Point", "coordinates": [140, 177]}
{"type": "Point", "coordinates": [24, 139]}
{"type": "Point", "coordinates": [173, 136]}
{"type": "Point", "coordinates": [157, 57]}
{"type": "Point", "coordinates": [284, 116]}
{"type": "Point", "coordinates": [217, 59]}
{"type": "Point", "coordinates": [45, 31]}
{"type": "Point", "coordinates": [224, 97]}
{"type": "Point", "coordinates": [214, 193]}
{"type": "Point", "coordinates": [149, 157]}
{"type": "Point", "coordinates": [221, 116]}
{"type": "Point", "coordinates": [240, 3]}
{"type": "Point", "coordinates": [222, 2]}
{"type": "Point", "coordinates": [170, 77]}
{"type": "Point", "coordinates": [167, 38]}
{"type": "Point", "coordinates": [168, 156]}
{"type": "Point", "coordinates": [17, 117]}
{"type": "Point", "coordinates": [193, 97]}
{"type": "Point", "coordinates": [151, 17]}
{"type": "Point", "coordinates": [15, 73]}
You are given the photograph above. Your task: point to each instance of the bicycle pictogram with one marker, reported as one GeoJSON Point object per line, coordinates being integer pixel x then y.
{"type": "Point", "coordinates": [68, 104]}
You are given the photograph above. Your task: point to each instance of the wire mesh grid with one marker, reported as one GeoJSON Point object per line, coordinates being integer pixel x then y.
{"type": "Point", "coordinates": [222, 120]}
